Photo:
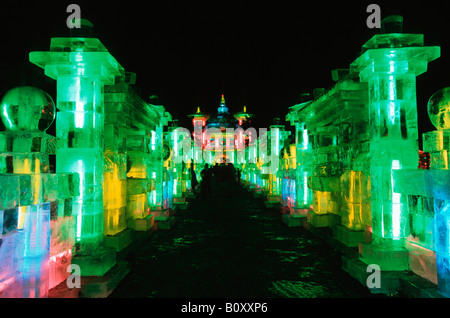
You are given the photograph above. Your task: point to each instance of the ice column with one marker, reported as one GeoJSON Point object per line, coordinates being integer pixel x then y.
{"type": "Point", "coordinates": [303, 168]}
{"type": "Point", "coordinates": [81, 67]}
{"type": "Point", "coordinates": [277, 136]}
{"type": "Point", "coordinates": [390, 63]}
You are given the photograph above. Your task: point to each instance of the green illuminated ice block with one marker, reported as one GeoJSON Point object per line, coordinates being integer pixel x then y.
{"type": "Point", "coordinates": [303, 157]}
{"type": "Point", "coordinates": [159, 171]}
{"type": "Point", "coordinates": [81, 68]}
{"type": "Point", "coordinates": [389, 64]}
{"type": "Point", "coordinates": [275, 140]}
{"type": "Point", "coordinates": [142, 128]}
{"type": "Point", "coordinates": [330, 130]}
{"type": "Point", "coordinates": [177, 168]}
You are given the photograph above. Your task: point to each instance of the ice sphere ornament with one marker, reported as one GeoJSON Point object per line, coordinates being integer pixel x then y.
{"type": "Point", "coordinates": [27, 108]}
{"type": "Point", "coordinates": [439, 109]}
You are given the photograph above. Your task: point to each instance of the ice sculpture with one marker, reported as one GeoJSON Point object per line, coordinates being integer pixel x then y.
{"type": "Point", "coordinates": [27, 109]}
{"type": "Point", "coordinates": [389, 64]}
{"type": "Point", "coordinates": [81, 68]}
{"type": "Point", "coordinates": [276, 137]}
{"type": "Point", "coordinates": [303, 155]}
{"type": "Point", "coordinates": [437, 181]}
{"type": "Point", "coordinates": [35, 211]}
{"type": "Point", "coordinates": [331, 132]}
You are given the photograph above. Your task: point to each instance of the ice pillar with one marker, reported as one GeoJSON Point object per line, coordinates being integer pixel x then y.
{"type": "Point", "coordinates": [81, 67]}
{"type": "Point", "coordinates": [389, 64]}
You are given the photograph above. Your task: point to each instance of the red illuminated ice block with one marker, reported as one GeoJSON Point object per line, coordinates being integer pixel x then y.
{"type": "Point", "coordinates": [11, 287]}
{"type": "Point", "coordinates": [58, 266]}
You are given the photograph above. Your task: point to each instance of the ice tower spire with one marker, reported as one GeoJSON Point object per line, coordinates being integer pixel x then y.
{"type": "Point", "coordinates": [222, 108]}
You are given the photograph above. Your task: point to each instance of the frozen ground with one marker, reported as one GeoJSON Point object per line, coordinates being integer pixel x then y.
{"type": "Point", "coordinates": [231, 246]}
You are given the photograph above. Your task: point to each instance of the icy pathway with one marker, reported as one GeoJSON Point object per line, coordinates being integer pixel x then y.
{"type": "Point", "coordinates": [231, 246]}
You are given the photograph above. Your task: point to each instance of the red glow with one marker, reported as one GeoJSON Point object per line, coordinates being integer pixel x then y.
{"type": "Point", "coordinates": [59, 273]}
{"type": "Point", "coordinates": [6, 283]}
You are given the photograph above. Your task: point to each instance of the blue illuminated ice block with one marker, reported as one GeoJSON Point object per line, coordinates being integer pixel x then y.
{"type": "Point", "coordinates": [36, 227]}
{"type": "Point", "coordinates": [437, 181]}
{"type": "Point", "coordinates": [11, 250]}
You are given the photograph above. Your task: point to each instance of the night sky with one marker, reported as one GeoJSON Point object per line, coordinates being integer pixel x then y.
{"type": "Point", "coordinates": [262, 54]}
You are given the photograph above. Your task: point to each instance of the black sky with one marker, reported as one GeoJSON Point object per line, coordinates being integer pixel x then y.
{"type": "Point", "coordinates": [262, 54]}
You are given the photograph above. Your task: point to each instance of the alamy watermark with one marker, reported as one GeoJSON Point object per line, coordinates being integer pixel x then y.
{"type": "Point", "coordinates": [374, 279]}
{"type": "Point", "coordinates": [374, 19]}
{"type": "Point", "coordinates": [74, 279]}
{"type": "Point", "coordinates": [73, 20]}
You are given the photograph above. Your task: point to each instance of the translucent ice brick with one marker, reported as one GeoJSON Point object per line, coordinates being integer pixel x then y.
{"type": "Point", "coordinates": [88, 218]}
{"type": "Point", "coordinates": [7, 253]}
{"type": "Point", "coordinates": [9, 191]}
{"type": "Point", "coordinates": [58, 265]}
{"type": "Point", "coordinates": [436, 140]}
{"type": "Point", "coordinates": [8, 221]}
{"type": "Point", "coordinates": [36, 226]}
{"type": "Point", "coordinates": [138, 143]}
{"type": "Point", "coordinates": [438, 183]}
{"type": "Point", "coordinates": [137, 206]}
{"type": "Point", "coordinates": [439, 160]}
{"type": "Point", "coordinates": [24, 163]}
{"type": "Point", "coordinates": [115, 220]}
{"type": "Point", "coordinates": [410, 181]}
{"type": "Point", "coordinates": [62, 234]}
{"type": "Point", "coordinates": [325, 202]}
{"type": "Point", "coordinates": [80, 129]}
{"type": "Point", "coordinates": [137, 186]}
{"type": "Point", "coordinates": [138, 163]}
{"type": "Point", "coordinates": [26, 142]}
{"type": "Point", "coordinates": [351, 215]}
{"type": "Point", "coordinates": [390, 220]}
{"type": "Point", "coordinates": [83, 160]}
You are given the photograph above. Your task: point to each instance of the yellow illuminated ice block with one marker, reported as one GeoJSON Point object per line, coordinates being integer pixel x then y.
{"type": "Point", "coordinates": [114, 204]}
{"type": "Point", "coordinates": [351, 215]}
{"type": "Point", "coordinates": [137, 206]}
{"type": "Point", "coordinates": [325, 202]}
{"type": "Point", "coordinates": [139, 163]}
{"type": "Point", "coordinates": [115, 220]}
{"type": "Point", "coordinates": [351, 186]}
{"type": "Point", "coordinates": [274, 185]}
{"type": "Point", "coordinates": [355, 200]}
